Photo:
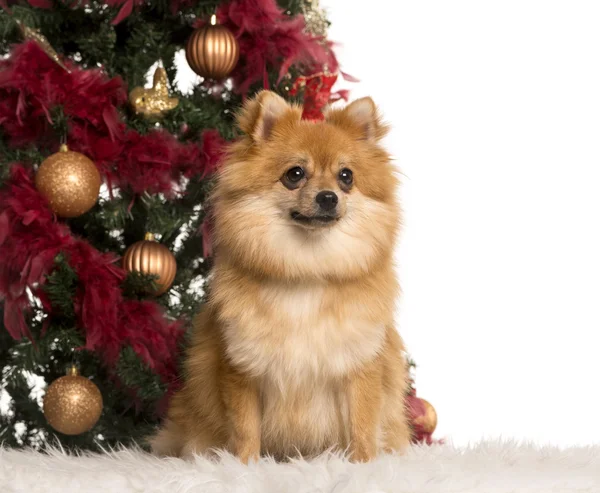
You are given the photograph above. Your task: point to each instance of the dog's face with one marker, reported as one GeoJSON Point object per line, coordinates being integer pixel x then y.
{"type": "Point", "coordinates": [305, 200]}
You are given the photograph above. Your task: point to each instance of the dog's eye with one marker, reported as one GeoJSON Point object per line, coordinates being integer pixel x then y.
{"type": "Point", "coordinates": [295, 174]}
{"type": "Point", "coordinates": [292, 177]}
{"type": "Point", "coordinates": [346, 177]}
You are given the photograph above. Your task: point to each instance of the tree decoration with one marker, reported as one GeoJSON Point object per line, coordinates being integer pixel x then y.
{"type": "Point", "coordinates": [428, 420]}
{"type": "Point", "coordinates": [270, 38]}
{"type": "Point", "coordinates": [150, 257]}
{"type": "Point", "coordinates": [72, 404]}
{"type": "Point", "coordinates": [69, 181]}
{"type": "Point", "coordinates": [315, 18]}
{"type": "Point", "coordinates": [35, 35]}
{"type": "Point", "coordinates": [155, 101]}
{"type": "Point", "coordinates": [317, 93]}
{"type": "Point", "coordinates": [212, 51]}
{"type": "Point", "coordinates": [423, 418]}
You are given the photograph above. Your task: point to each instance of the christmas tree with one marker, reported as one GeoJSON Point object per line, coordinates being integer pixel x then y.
{"type": "Point", "coordinates": [104, 229]}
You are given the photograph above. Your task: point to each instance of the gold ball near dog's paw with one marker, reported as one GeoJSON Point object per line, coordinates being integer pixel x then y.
{"type": "Point", "coordinates": [212, 51]}
{"type": "Point", "coordinates": [72, 404]}
{"type": "Point", "coordinates": [150, 257]}
{"type": "Point", "coordinates": [428, 421]}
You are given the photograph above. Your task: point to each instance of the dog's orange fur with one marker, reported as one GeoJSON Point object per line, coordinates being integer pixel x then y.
{"type": "Point", "coordinates": [296, 351]}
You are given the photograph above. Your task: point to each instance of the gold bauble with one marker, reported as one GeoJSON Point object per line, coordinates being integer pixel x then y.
{"type": "Point", "coordinates": [72, 404]}
{"type": "Point", "coordinates": [69, 181]}
{"type": "Point", "coordinates": [428, 421]}
{"type": "Point", "coordinates": [153, 102]}
{"type": "Point", "coordinates": [212, 51]}
{"type": "Point", "coordinates": [150, 257]}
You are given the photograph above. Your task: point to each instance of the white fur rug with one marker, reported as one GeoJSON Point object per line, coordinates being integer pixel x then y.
{"type": "Point", "coordinates": [485, 468]}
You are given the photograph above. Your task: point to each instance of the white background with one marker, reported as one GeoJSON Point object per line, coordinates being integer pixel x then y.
{"type": "Point", "coordinates": [495, 109]}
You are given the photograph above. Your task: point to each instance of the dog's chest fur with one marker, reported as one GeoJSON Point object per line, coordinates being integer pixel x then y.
{"type": "Point", "coordinates": [299, 342]}
{"type": "Point", "coordinates": [297, 334]}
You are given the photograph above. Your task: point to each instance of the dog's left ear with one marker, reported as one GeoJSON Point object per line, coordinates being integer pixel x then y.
{"type": "Point", "coordinates": [259, 115]}
{"type": "Point", "coordinates": [361, 117]}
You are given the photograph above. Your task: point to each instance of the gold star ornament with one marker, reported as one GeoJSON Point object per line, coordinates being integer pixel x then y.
{"type": "Point", "coordinates": [34, 35]}
{"type": "Point", "coordinates": [155, 101]}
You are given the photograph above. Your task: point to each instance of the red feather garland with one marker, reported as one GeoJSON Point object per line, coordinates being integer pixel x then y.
{"type": "Point", "coordinates": [30, 239]}
{"type": "Point", "coordinates": [270, 38]}
{"type": "Point", "coordinates": [32, 86]}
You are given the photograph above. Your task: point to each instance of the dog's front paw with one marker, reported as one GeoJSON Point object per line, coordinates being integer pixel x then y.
{"type": "Point", "coordinates": [246, 451]}
{"type": "Point", "coordinates": [363, 452]}
{"type": "Point", "coordinates": [247, 456]}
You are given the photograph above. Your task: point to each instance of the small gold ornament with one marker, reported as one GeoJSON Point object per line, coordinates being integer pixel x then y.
{"type": "Point", "coordinates": [72, 404]}
{"type": "Point", "coordinates": [212, 51]}
{"type": "Point", "coordinates": [429, 420]}
{"type": "Point", "coordinates": [35, 35]}
{"type": "Point", "coordinates": [69, 181]}
{"type": "Point", "coordinates": [153, 102]}
{"type": "Point", "coordinates": [314, 18]}
{"type": "Point", "coordinates": [150, 257]}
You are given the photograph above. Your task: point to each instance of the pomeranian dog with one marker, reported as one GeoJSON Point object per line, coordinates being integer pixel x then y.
{"type": "Point", "coordinates": [296, 350]}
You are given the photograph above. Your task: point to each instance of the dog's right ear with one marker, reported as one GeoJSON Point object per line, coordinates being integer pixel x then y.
{"type": "Point", "coordinates": [360, 117]}
{"type": "Point", "coordinates": [259, 115]}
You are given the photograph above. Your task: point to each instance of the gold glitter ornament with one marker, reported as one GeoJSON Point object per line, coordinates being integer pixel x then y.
{"type": "Point", "coordinates": [72, 404]}
{"type": "Point", "coordinates": [429, 420]}
{"type": "Point", "coordinates": [69, 181]}
{"type": "Point", "coordinates": [153, 102]}
{"type": "Point", "coordinates": [314, 18]}
{"type": "Point", "coordinates": [150, 257]}
{"type": "Point", "coordinates": [212, 51]}
{"type": "Point", "coordinates": [34, 35]}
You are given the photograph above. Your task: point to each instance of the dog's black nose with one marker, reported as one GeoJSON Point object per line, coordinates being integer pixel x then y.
{"type": "Point", "coordinates": [327, 200]}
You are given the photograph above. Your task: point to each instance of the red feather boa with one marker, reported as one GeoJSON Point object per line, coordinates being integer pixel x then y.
{"type": "Point", "coordinates": [269, 38]}
{"type": "Point", "coordinates": [30, 239]}
{"type": "Point", "coordinates": [32, 86]}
